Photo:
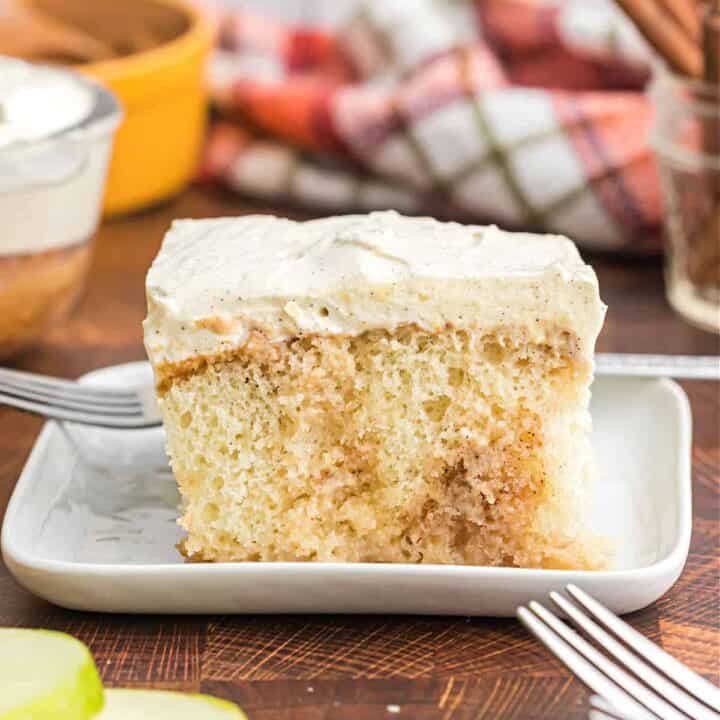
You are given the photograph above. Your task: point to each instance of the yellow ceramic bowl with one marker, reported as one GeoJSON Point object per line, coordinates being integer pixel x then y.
{"type": "Point", "coordinates": [163, 93]}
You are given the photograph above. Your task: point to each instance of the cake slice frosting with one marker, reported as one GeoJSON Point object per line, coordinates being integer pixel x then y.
{"type": "Point", "coordinates": [216, 280]}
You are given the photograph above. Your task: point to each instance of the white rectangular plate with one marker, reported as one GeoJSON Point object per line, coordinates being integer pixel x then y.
{"type": "Point", "coordinates": [91, 525]}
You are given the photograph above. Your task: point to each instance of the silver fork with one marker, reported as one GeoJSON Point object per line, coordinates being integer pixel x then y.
{"type": "Point", "coordinates": [645, 683]}
{"type": "Point", "coordinates": [601, 709]}
{"type": "Point", "coordinates": [58, 399]}
{"type": "Point", "coordinates": [689, 367]}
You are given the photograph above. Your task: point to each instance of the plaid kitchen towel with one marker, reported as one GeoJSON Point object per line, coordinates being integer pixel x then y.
{"type": "Point", "coordinates": [527, 113]}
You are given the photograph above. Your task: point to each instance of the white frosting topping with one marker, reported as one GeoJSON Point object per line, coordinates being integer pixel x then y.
{"type": "Point", "coordinates": [37, 101]}
{"type": "Point", "coordinates": [216, 280]}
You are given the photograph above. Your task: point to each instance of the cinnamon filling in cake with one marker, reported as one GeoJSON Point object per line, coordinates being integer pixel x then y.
{"type": "Point", "coordinates": [394, 447]}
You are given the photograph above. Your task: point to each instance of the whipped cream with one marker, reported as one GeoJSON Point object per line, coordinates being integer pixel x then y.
{"type": "Point", "coordinates": [55, 139]}
{"type": "Point", "coordinates": [36, 101]}
{"type": "Point", "coordinates": [214, 281]}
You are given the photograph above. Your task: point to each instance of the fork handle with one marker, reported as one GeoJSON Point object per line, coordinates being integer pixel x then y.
{"type": "Point", "coordinates": [687, 367]}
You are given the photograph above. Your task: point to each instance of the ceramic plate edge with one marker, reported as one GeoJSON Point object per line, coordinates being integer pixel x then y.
{"type": "Point", "coordinates": [672, 564]}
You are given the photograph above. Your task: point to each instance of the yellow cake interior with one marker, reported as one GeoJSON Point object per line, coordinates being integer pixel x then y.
{"type": "Point", "coordinates": [462, 446]}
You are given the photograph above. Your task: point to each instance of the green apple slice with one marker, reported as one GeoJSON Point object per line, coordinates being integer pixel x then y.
{"type": "Point", "coordinates": [166, 705]}
{"type": "Point", "coordinates": [46, 674]}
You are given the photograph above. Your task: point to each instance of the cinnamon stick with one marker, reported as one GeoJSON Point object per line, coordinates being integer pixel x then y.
{"type": "Point", "coordinates": [711, 43]}
{"type": "Point", "coordinates": [666, 35]}
{"type": "Point", "coordinates": [711, 76]}
{"type": "Point", "coordinates": [686, 13]}
{"type": "Point", "coordinates": [704, 247]}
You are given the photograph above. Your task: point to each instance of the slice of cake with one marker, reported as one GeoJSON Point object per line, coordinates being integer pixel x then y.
{"type": "Point", "coordinates": [376, 388]}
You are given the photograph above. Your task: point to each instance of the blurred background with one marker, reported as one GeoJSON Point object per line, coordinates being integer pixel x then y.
{"type": "Point", "coordinates": [591, 118]}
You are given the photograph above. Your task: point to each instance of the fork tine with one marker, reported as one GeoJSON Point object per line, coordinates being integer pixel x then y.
{"type": "Point", "coordinates": [663, 688]}
{"type": "Point", "coordinates": [618, 675]}
{"type": "Point", "coordinates": [601, 709]}
{"type": "Point", "coordinates": [596, 714]}
{"type": "Point", "coordinates": [693, 683]}
{"type": "Point", "coordinates": [45, 382]}
{"type": "Point", "coordinates": [112, 420]}
{"type": "Point", "coordinates": [77, 392]}
{"type": "Point", "coordinates": [71, 401]}
{"type": "Point", "coordinates": [585, 670]}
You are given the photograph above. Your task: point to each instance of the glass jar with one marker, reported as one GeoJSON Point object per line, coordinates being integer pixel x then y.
{"type": "Point", "coordinates": [686, 139]}
{"type": "Point", "coordinates": [56, 132]}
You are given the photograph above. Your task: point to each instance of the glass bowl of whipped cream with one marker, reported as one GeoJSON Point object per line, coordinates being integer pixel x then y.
{"type": "Point", "coordinates": [56, 134]}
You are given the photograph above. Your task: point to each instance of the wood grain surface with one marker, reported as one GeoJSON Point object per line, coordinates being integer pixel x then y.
{"type": "Point", "coordinates": [312, 667]}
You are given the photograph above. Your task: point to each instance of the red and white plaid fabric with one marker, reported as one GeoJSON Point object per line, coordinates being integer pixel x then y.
{"type": "Point", "coordinates": [526, 113]}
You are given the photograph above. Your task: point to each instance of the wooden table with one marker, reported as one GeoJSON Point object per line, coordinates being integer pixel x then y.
{"type": "Point", "coordinates": [361, 667]}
